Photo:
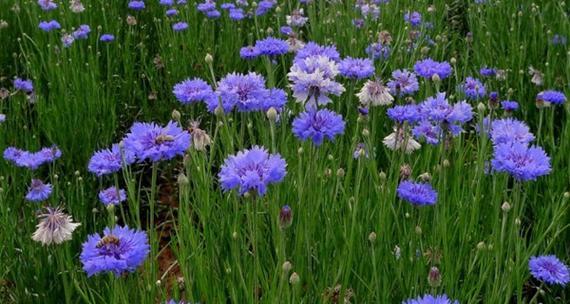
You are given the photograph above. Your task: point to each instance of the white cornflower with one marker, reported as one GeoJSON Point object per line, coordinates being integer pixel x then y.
{"type": "Point", "coordinates": [398, 140]}
{"type": "Point", "coordinates": [375, 93]}
{"type": "Point", "coordinates": [54, 227]}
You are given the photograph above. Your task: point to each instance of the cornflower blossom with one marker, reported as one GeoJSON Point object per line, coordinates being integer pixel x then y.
{"type": "Point", "coordinates": [509, 130]}
{"type": "Point", "coordinates": [418, 194]}
{"type": "Point", "coordinates": [318, 125]}
{"type": "Point", "coordinates": [193, 91]}
{"type": "Point", "coordinates": [551, 97]}
{"type": "Point", "coordinates": [378, 51]}
{"type": "Point", "coordinates": [509, 105]}
{"type": "Point", "coordinates": [429, 69]}
{"type": "Point", "coordinates": [32, 160]}
{"type": "Point", "coordinates": [313, 49]}
{"type": "Point", "coordinates": [296, 19]}
{"type": "Point", "coordinates": [473, 88]}
{"type": "Point", "coordinates": [249, 52]}
{"type": "Point", "coordinates": [549, 269]}
{"type": "Point", "coordinates": [55, 227]}
{"type": "Point", "coordinates": [312, 80]}
{"type": "Point", "coordinates": [404, 113]}
{"type": "Point", "coordinates": [251, 171]}
{"type": "Point", "coordinates": [109, 161]}
{"type": "Point", "coordinates": [112, 196]}
{"type": "Point", "coordinates": [155, 143]}
{"type": "Point", "coordinates": [179, 26]}
{"type": "Point", "coordinates": [430, 299]}
{"type": "Point", "coordinates": [118, 251]}
{"type": "Point", "coordinates": [374, 93]}
{"type": "Point", "coordinates": [107, 38]}
{"type": "Point", "coordinates": [401, 140]}
{"type": "Point", "coordinates": [136, 5]}
{"type": "Point", "coordinates": [82, 32]}
{"type": "Point", "coordinates": [413, 18]}
{"type": "Point", "coordinates": [356, 68]}
{"type": "Point", "coordinates": [403, 83]}
{"type": "Point", "coordinates": [23, 85]}
{"type": "Point", "coordinates": [48, 26]}
{"type": "Point", "coordinates": [519, 160]}
{"type": "Point", "coordinates": [272, 47]}
{"type": "Point", "coordinates": [38, 191]}
{"type": "Point", "coordinates": [47, 5]}
{"type": "Point", "coordinates": [246, 92]}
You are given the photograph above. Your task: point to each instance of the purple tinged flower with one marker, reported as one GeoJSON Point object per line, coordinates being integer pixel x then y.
{"type": "Point", "coordinates": [213, 14]}
{"type": "Point", "coordinates": [48, 26]}
{"type": "Point", "coordinates": [32, 160]}
{"type": "Point", "coordinates": [286, 30]}
{"type": "Point", "coordinates": [403, 83]}
{"type": "Point", "coordinates": [318, 125]}
{"type": "Point", "coordinates": [136, 5]}
{"type": "Point", "coordinates": [272, 46]}
{"type": "Point", "coordinates": [107, 38]}
{"type": "Point", "coordinates": [312, 49]}
{"type": "Point", "coordinates": [67, 40]}
{"type": "Point", "coordinates": [112, 196]}
{"type": "Point", "coordinates": [378, 51]}
{"type": "Point", "coordinates": [429, 299]}
{"type": "Point", "coordinates": [55, 227]}
{"type": "Point", "coordinates": [47, 5]}
{"type": "Point", "coordinates": [153, 142]}
{"type": "Point", "coordinates": [488, 72]}
{"type": "Point", "coordinates": [237, 14]}
{"type": "Point", "coordinates": [520, 161]}
{"type": "Point", "coordinates": [227, 6]}
{"type": "Point", "coordinates": [171, 12]}
{"type": "Point", "coordinates": [558, 39]}
{"type": "Point", "coordinates": [418, 194]}
{"type": "Point", "coordinates": [246, 92]}
{"type": "Point", "coordinates": [2, 118]}
{"type": "Point", "coordinates": [180, 26]}
{"type": "Point", "coordinates": [249, 52]}
{"type": "Point", "coordinates": [428, 131]}
{"type": "Point", "coordinates": [119, 250]}
{"type": "Point", "coordinates": [277, 99]}
{"type": "Point", "coordinates": [428, 68]}
{"type": "Point", "coordinates": [406, 113]}
{"type": "Point", "coordinates": [194, 90]}
{"type": "Point", "coordinates": [109, 161]}
{"type": "Point", "coordinates": [413, 18]}
{"type": "Point", "coordinates": [509, 130]}
{"type": "Point", "coordinates": [374, 93]}
{"type": "Point", "coordinates": [23, 85]}
{"type": "Point", "coordinates": [206, 6]}
{"type": "Point", "coordinates": [551, 97]}
{"type": "Point", "coordinates": [38, 191]}
{"type": "Point", "coordinates": [252, 171]}
{"type": "Point", "coordinates": [285, 217]}
{"type": "Point", "coordinates": [509, 105]}
{"type": "Point", "coordinates": [360, 151]}
{"type": "Point", "coordinates": [356, 68]}
{"type": "Point", "coordinates": [166, 2]}
{"type": "Point", "coordinates": [312, 80]}
{"type": "Point", "coordinates": [82, 32]}
{"type": "Point", "coordinates": [473, 88]}
{"type": "Point", "coordinates": [297, 18]}
{"type": "Point", "coordinates": [264, 6]}
{"type": "Point", "coordinates": [549, 269]}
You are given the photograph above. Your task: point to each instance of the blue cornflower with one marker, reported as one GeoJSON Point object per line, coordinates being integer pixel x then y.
{"type": "Point", "coordinates": [67, 40]}
{"type": "Point", "coordinates": [413, 18]}
{"type": "Point", "coordinates": [31, 160]}
{"type": "Point", "coordinates": [23, 85]}
{"type": "Point", "coordinates": [246, 92]}
{"type": "Point", "coordinates": [488, 72]}
{"type": "Point", "coordinates": [272, 46]}
{"type": "Point", "coordinates": [109, 161]}
{"type": "Point", "coordinates": [524, 163]}
{"type": "Point", "coordinates": [277, 99]}
{"type": "Point", "coordinates": [286, 30]}
{"type": "Point", "coordinates": [38, 191]}
{"type": "Point", "coordinates": [153, 142]}
{"type": "Point", "coordinates": [249, 52]}
{"type": "Point", "coordinates": [194, 90]}
{"type": "Point", "coordinates": [473, 88]}
{"type": "Point", "coordinates": [508, 130]}
{"type": "Point", "coordinates": [112, 196]}
{"type": "Point", "coordinates": [318, 125]}
{"type": "Point", "coordinates": [313, 49]}
{"type": "Point", "coordinates": [406, 113]}
{"type": "Point", "coordinates": [509, 105]}
{"type": "Point", "coordinates": [549, 269]}
{"type": "Point", "coordinates": [312, 80]}
{"type": "Point", "coordinates": [47, 5]}
{"type": "Point", "coordinates": [119, 250]}
{"type": "Point", "coordinates": [378, 51]}
{"type": "Point", "coordinates": [166, 2]}
{"type": "Point", "coordinates": [356, 68]}
{"type": "Point", "coordinates": [171, 12]}
{"type": "Point", "coordinates": [558, 39]}
{"type": "Point", "coordinates": [206, 6]}
{"type": "Point", "coordinates": [48, 26]}
{"type": "Point", "coordinates": [136, 5]}
{"type": "Point", "coordinates": [252, 171]}
{"type": "Point", "coordinates": [403, 83]}
{"type": "Point", "coordinates": [428, 68]}
{"type": "Point", "coordinates": [418, 194]}
{"type": "Point", "coordinates": [82, 32]}
{"type": "Point", "coordinates": [180, 26]}
{"type": "Point", "coordinates": [107, 38]}
{"type": "Point", "coordinates": [428, 131]}
{"type": "Point", "coordinates": [213, 14]}
{"type": "Point", "coordinates": [551, 97]}
{"type": "Point", "coordinates": [264, 6]}
{"type": "Point", "coordinates": [429, 299]}
{"type": "Point", "coordinates": [237, 14]}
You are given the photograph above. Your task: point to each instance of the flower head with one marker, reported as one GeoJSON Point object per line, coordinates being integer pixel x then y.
{"type": "Point", "coordinates": [249, 52]}
{"type": "Point", "coordinates": [107, 38]}
{"type": "Point", "coordinates": [522, 162]}
{"type": "Point", "coordinates": [413, 18]}
{"type": "Point", "coordinates": [401, 140]}
{"type": "Point", "coordinates": [48, 26]}
{"type": "Point", "coordinates": [429, 299]}
{"type": "Point", "coordinates": [194, 90]}
{"type": "Point", "coordinates": [136, 5]}
{"type": "Point", "coordinates": [252, 171]}
{"type": "Point", "coordinates": [551, 97]}
{"type": "Point", "coordinates": [312, 80]}
{"type": "Point", "coordinates": [407, 113]}
{"type": "Point", "coordinates": [356, 68]}
{"type": "Point", "coordinates": [119, 250]}
{"type": "Point", "coordinates": [473, 88]}
{"type": "Point", "coordinates": [109, 161]}
{"type": "Point", "coordinates": [180, 26]}
{"type": "Point", "coordinates": [245, 92]}
{"type": "Point", "coordinates": [55, 227]}
{"type": "Point", "coordinates": [510, 130]}
{"type": "Point", "coordinates": [403, 83]}
{"type": "Point", "coordinates": [272, 46]}
{"type": "Point", "coordinates": [419, 194]}
{"type": "Point", "coordinates": [318, 125]}
{"type": "Point", "coordinates": [374, 93]}
{"type": "Point", "coordinates": [82, 32]}
{"type": "Point", "coordinates": [38, 191]}
{"type": "Point", "coordinates": [549, 269]}
{"type": "Point", "coordinates": [509, 105]}
{"type": "Point", "coordinates": [312, 49]}
{"type": "Point", "coordinates": [23, 85]}
{"type": "Point", "coordinates": [112, 196]}
{"type": "Point", "coordinates": [427, 68]}
{"type": "Point", "coordinates": [153, 142]}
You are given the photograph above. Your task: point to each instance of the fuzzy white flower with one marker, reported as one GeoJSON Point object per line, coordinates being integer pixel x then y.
{"type": "Point", "coordinates": [398, 140]}
{"type": "Point", "coordinates": [312, 80]}
{"type": "Point", "coordinates": [54, 227]}
{"type": "Point", "coordinates": [375, 93]}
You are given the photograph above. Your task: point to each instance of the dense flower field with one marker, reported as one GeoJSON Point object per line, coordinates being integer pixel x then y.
{"type": "Point", "coordinates": [302, 151]}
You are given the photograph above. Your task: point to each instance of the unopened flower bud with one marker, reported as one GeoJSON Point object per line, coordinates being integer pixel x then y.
{"type": "Point", "coordinates": [434, 277]}
{"type": "Point", "coordinates": [405, 171]}
{"type": "Point", "coordinates": [182, 180]}
{"type": "Point", "coordinates": [272, 114]}
{"type": "Point", "coordinates": [425, 177]}
{"type": "Point", "coordinates": [481, 245]}
{"type": "Point", "coordinates": [175, 115]}
{"type": "Point", "coordinates": [481, 107]}
{"type": "Point", "coordinates": [435, 78]}
{"type": "Point", "coordinates": [418, 230]}
{"type": "Point", "coordinates": [294, 279]}
{"type": "Point", "coordinates": [506, 207]}
{"type": "Point", "coordinates": [219, 111]}
{"type": "Point", "coordinates": [287, 266]}
{"type": "Point", "coordinates": [372, 237]}
{"type": "Point", "coordinates": [340, 172]}
{"type": "Point", "coordinates": [285, 217]}
{"type": "Point", "coordinates": [209, 59]}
